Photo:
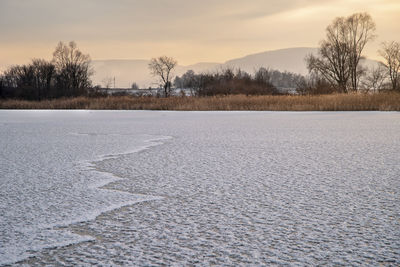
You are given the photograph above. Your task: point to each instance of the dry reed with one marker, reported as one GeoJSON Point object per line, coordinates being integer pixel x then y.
{"type": "Point", "coordinates": [335, 102]}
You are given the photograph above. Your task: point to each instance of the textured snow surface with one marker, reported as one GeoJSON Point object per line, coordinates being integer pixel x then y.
{"type": "Point", "coordinates": [199, 188]}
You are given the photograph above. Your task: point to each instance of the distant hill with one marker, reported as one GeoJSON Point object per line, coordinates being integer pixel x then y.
{"type": "Point", "coordinates": [290, 59]}
{"type": "Point", "coordinates": [128, 71]}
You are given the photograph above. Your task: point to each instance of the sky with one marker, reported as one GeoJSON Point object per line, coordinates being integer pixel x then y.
{"type": "Point", "coordinates": [189, 30]}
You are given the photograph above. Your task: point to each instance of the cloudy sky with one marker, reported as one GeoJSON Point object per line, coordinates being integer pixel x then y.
{"type": "Point", "coordinates": [189, 30]}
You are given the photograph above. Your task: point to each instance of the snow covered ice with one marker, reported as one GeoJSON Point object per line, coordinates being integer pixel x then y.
{"type": "Point", "coordinates": [199, 188]}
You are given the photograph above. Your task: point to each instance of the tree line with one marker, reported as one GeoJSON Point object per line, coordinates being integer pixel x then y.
{"type": "Point", "coordinates": [66, 75]}
{"type": "Point", "coordinates": [230, 81]}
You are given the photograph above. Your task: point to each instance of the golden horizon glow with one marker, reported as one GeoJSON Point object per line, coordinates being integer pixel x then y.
{"type": "Point", "coordinates": [211, 31]}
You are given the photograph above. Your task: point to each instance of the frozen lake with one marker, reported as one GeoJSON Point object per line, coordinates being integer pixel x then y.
{"type": "Point", "coordinates": [199, 188]}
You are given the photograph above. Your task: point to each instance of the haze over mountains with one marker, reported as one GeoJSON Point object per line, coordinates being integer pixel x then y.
{"type": "Point", "coordinates": [128, 71]}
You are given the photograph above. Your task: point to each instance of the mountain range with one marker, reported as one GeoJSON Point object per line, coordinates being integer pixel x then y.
{"type": "Point", "coordinates": [126, 72]}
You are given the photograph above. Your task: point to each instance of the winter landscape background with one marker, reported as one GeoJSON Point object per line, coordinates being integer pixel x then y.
{"type": "Point", "coordinates": [199, 133]}
{"type": "Point", "coordinates": [127, 71]}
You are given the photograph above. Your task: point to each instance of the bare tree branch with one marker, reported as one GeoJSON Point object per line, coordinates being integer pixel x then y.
{"type": "Point", "coordinates": [162, 67]}
{"type": "Point", "coordinates": [391, 53]}
{"type": "Point", "coordinates": [341, 51]}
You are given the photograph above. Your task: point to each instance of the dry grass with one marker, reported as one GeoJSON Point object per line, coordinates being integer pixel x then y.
{"type": "Point", "coordinates": [336, 102]}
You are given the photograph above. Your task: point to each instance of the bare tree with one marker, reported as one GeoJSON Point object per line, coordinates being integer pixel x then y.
{"type": "Point", "coordinates": [315, 84]}
{"type": "Point", "coordinates": [73, 68]}
{"type": "Point", "coordinates": [361, 30]}
{"type": "Point", "coordinates": [340, 53]}
{"type": "Point", "coordinates": [375, 79]}
{"type": "Point", "coordinates": [2, 81]}
{"type": "Point", "coordinates": [162, 67]}
{"type": "Point", "coordinates": [332, 61]}
{"type": "Point", "coordinates": [263, 76]}
{"type": "Point", "coordinates": [44, 75]}
{"type": "Point", "coordinates": [19, 76]}
{"type": "Point", "coordinates": [107, 82]}
{"type": "Point", "coordinates": [391, 53]}
{"type": "Point", "coordinates": [66, 75]}
{"type": "Point", "coordinates": [31, 81]}
{"type": "Point", "coordinates": [189, 80]}
{"type": "Point", "coordinates": [135, 86]}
